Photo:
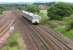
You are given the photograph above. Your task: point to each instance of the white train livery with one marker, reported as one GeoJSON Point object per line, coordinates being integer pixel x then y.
{"type": "Point", "coordinates": [35, 19]}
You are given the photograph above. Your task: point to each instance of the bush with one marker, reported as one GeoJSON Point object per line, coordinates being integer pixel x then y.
{"type": "Point", "coordinates": [69, 26]}
{"type": "Point", "coordinates": [32, 8]}
{"type": "Point", "coordinates": [44, 17]}
{"type": "Point", "coordinates": [13, 42]}
{"type": "Point", "coordinates": [60, 10]}
{"type": "Point", "coordinates": [1, 9]}
{"type": "Point", "coordinates": [68, 21]}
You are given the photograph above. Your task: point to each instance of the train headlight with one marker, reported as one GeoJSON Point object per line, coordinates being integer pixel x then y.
{"type": "Point", "coordinates": [35, 21]}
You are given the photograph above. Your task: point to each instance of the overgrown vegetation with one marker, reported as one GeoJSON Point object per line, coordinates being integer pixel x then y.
{"type": "Point", "coordinates": [64, 26]}
{"type": "Point", "coordinates": [28, 7]}
{"type": "Point", "coordinates": [60, 10]}
{"type": "Point", "coordinates": [44, 17]}
{"type": "Point", "coordinates": [32, 8]}
{"type": "Point", "coordinates": [60, 18]}
{"type": "Point", "coordinates": [14, 43]}
{"type": "Point", "coordinates": [1, 9]}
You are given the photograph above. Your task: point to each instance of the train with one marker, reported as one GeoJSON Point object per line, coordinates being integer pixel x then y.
{"type": "Point", "coordinates": [33, 18]}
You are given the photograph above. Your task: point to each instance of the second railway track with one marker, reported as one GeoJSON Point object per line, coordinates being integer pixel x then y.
{"type": "Point", "coordinates": [42, 39]}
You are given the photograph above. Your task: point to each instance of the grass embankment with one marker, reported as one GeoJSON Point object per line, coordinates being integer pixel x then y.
{"type": "Point", "coordinates": [44, 17]}
{"type": "Point", "coordinates": [59, 26]}
{"type": "Point", "coordinates": [14, 43]}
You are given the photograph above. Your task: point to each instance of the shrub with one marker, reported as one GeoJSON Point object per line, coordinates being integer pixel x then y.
{"type": "Point", "coordinates": [59, 10]}
{"type": "Point", "coordinates": [32, 8]}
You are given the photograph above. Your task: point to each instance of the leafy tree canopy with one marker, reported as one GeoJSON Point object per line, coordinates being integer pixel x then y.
{"type": "Point", "coordinates": [60, 10]}
{"type": "Point", "coordinates": [1, 9]}
{"type": "Point", "coordinates": [32, 8]}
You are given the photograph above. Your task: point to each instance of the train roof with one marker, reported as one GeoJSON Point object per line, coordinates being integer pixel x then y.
{"type": "Point", "coordinates": [31, 14]}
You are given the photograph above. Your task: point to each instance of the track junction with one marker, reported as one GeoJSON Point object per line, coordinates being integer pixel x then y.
{"type": "Point", "coordinates": [36, 37]}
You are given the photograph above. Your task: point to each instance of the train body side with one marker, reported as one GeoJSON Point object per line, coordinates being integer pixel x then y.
{"type": "Point", "coordinates": [35, 19]}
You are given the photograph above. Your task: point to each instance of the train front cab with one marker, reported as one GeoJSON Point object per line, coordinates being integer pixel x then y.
{"type": "Point", "coordinates": [35, 22]}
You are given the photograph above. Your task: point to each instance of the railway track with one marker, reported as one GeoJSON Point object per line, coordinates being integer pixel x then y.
{"type": "Point", "coordinates": [57, 42]}
{"type": "Point", "coordinates": [36, 34]}
{"type": "Point", "coordinates": [5, 35]}
{"type": "Point", "coordinates": [36, 37]}
{"type": "Point", "coordinates": [44, 40]}
{"type": "Point", "coordinates": [65, 41]}
{"type": "Point", "coordinates": [5, 32]}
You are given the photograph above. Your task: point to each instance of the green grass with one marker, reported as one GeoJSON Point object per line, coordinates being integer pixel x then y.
{"type": "Point", "coordinates": [44, 17]}
{"type": "Point", "coordinates": [69, 34]}
{"type": "Point", "coordinates": [66, 33]}
{"type": "Point", "coordinates": [60, 29]}
{"type": "Point", "coordinates": [14, 43]}
{"type": "Point", "coordinates": [59, 26]}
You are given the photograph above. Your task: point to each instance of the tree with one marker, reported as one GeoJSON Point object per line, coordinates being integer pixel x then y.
{"type": "Point", "coordinates": [1, 9]}
{"type": "Point", "coordinates": [59, 10]}
{"type": "Point", "coordinates": [32, 8]}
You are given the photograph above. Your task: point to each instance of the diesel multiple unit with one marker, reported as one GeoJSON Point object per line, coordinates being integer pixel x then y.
{"type": "Point", "coordinates": [35, 19]}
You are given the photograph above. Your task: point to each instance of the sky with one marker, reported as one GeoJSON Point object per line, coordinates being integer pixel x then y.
{"type": "Point", "coordinates": [15, 1]}
{"type": "Point", "coordinates": [70, 1]}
